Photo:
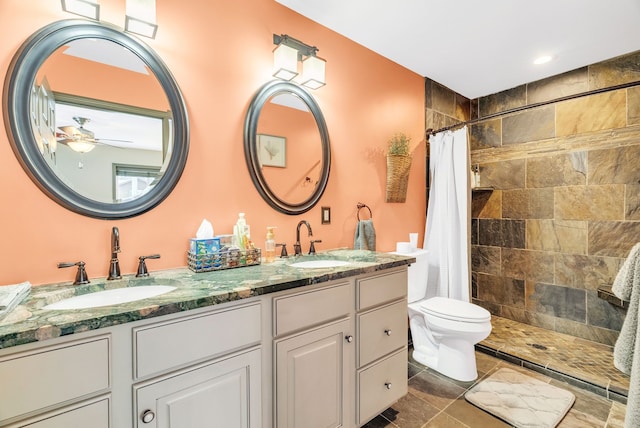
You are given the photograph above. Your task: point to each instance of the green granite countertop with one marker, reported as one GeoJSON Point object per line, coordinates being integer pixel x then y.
{"type": "Point", "coordinates": [30, 323]}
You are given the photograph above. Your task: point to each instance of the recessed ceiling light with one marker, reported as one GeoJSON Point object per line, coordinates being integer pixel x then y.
{"type": "Point", "coordinates": [542, 60]}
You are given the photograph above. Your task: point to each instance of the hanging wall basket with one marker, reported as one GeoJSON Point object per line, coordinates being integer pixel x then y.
{"type": "Point", "coordinates": [398, 167]}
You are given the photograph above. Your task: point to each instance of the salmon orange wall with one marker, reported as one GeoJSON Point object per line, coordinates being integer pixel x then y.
{"type": "Point", "coordinates": [220, 53]}
{"type": "Point", "coordinates": [77, 76]}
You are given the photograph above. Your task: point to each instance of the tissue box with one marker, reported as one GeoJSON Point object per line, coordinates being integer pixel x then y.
{"type": "Point", "coordinates": [204, 246]}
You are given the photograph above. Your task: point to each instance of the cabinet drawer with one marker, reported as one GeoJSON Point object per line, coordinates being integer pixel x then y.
{"type": "Point", "coordinates": [381, 331]}
{"type": "Point", "coordinates": [313, 307]}
{"type": "Point", "coordinates": [94, 414]}
{"type": "Point", "coordinates": [379, 289]}
{"type": "Point", "coordinates": [163, 346]}
{"type": "Point", "coordinates": [381, 385]}
{"type": "Point", "coordinates": [48, 376]}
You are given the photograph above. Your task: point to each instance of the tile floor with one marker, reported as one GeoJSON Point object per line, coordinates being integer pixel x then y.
{"type": "Point", "coordinates": [580, 362]}
{"type": "Point", "coordinates": [436, 401]}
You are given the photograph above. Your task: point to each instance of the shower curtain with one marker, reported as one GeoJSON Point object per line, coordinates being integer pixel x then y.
{"type": "Point", "coordinates": [448, 216]}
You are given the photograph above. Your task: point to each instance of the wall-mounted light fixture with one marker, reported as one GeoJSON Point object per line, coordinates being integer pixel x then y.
{"type": "Point", "coordinates": [287, 55]}
{"type": "Point", "coordinates": [141, 18]}
{"type": "Point", "coordinates": [86, 8]}
{"type": "Point", "coordinates": [140, 15]}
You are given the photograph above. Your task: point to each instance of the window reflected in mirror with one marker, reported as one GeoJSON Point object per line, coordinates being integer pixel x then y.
{"type": "Point", "coordinates": [132, 181]}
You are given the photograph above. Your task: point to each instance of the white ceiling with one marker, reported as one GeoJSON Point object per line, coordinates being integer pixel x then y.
{"type": "Point", "coordinates": [478, 47]}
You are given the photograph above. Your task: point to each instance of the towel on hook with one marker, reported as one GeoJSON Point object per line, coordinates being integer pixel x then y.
{"type": "Point", "coordinates": [365, 238]}
{"type": "Point", "coordinates": [626, 352]}
{"type": "Point", "coordinates": [12, 295]}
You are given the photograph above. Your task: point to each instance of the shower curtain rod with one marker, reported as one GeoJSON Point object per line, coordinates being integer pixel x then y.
{"type": "Point", "coordinates": [430, 131]}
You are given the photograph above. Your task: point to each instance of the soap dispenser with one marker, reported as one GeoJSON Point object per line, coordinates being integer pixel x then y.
{"type": "Point", "coordinates": [270, 246]}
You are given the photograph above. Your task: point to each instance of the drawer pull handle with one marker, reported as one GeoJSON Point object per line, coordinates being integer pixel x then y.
{"type": "Point", "coordinates": [387, 385]}
{"type": "Point", "coordinates": [348, 338]}
{"type": "Point", "coordinates": [387, 332]}
{"type": "Point", "coordinates": [148, 416]}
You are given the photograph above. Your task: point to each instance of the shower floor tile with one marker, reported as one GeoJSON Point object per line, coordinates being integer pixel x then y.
{"type": "Point", "coordinates": [436, 401]}
{"type": "Point", "coordinates": [577, 361]}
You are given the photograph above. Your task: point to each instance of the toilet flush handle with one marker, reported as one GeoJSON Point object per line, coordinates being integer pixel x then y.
{"type": "Point", "coordinates": [387, 331]}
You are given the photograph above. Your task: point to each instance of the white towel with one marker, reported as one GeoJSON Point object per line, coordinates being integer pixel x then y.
{"type": "Point", "coordinates": [626, 353]}
{"type": "Point", "coordinates": [365, 238]}
{"type": "Point", "coordinates": [12, 295]}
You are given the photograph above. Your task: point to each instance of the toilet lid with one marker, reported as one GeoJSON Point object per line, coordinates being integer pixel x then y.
{"type": "Point", "coordinates": [455, 310]}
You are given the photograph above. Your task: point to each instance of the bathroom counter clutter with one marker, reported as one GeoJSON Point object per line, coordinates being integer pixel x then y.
{"type": "Point", "coordinates": [30, 322]}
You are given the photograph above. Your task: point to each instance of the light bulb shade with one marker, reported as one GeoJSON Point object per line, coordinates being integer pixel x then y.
{"type": "Point", "coordinates": [81, 146]}
{"type": "Point", "coordinates": [285, 62]}
{"type": "Point", "coordinates": [313, 72]}
{"type": "Point", "coordinates": [137, 26]}
{"type": "Point", "coordinates": [86, 8]}
{"type": "Point", "coordinates": [141, 18]}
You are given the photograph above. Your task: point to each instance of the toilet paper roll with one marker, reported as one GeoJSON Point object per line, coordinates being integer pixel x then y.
{"type": "Point", "coordinates": [404, 247]}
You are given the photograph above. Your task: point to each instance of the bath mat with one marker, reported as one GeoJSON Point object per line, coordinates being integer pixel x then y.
{"type": "Point", "coordinates": [521, 400]}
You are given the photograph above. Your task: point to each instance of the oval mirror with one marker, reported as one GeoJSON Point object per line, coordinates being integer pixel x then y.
{"type": "Point", "coordinates": [286, 145]}
{"type": "Point", "coordinates": [96, 119]}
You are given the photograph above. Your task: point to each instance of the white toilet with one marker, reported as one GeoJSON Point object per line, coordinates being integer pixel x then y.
{"type": "Point", "coordinates": [444, 330]}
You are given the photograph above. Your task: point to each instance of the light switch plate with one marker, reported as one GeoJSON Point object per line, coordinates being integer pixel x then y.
{"type": "Point", "coordinates": [326, 215]}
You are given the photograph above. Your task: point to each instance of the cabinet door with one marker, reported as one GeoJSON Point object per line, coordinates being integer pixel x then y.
{"type": "Point", "coordinates": [225, 393]}
{"type": "Point", "coordinates": [312, 375]}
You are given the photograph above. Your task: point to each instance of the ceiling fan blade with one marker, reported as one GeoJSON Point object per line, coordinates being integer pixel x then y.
{"type": "Point", "coordinates": [99, 140]}
{"type": "Point", "coordinates": [75, 131]}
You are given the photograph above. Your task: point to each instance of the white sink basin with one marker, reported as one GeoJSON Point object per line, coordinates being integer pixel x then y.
{"type": "Point", "coordinates": [111, 297]}
{"type": "Point", "coordinates": [316, 264]}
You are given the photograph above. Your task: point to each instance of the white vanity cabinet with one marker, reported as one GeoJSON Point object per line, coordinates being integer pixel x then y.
{"type": "Point", "coordinates": [332, 354]}
{"type": "Point", "coordinates": [55, 385]}
{"type": "Point", "coordinates": [382, 342]}
{"type": "Point", "coordinates": [206, 370]}
{"type": "Point", "coordinates": [314, 357]}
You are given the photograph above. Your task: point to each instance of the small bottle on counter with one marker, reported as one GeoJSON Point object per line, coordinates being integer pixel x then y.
{"type": "Point", "coordinates": [270, 246]}
{"type": "Point", "coordinates": [241, 233]}
{"type": "Point", "coordinates": [476, 176]}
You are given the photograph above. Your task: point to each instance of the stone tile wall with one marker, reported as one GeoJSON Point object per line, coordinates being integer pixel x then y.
{"type": "Point", "coordinates": [565, 209]}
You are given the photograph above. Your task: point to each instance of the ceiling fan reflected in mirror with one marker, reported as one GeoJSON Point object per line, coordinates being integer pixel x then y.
{"type": "Point", "coordinates": [80, 139]}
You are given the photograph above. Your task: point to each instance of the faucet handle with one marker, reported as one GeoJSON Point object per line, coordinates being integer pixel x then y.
{"type": "Point", "coordinates": [312, 248]}
{"type": "Point", "coordinates": [81, 275]}
{"type": "Point", "coordinates": [142, 266]}
{"type": "Point", "coordinates": [283, 253]}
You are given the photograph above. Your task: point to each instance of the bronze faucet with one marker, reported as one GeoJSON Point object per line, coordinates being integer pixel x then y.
{"type": "Point", "coordinates": [114, 267]}
{"type": "Point", "coordinates": [296, 247]}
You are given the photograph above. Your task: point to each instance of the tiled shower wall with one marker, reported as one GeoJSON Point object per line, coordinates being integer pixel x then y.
{"type": "Point", "coordinates": [565, 206]}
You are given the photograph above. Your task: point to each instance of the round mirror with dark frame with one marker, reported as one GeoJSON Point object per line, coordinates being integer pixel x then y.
{"type": "Point", "coordinates": [286, 146]}
{"type": "Point", "coordinates": [96, 119]}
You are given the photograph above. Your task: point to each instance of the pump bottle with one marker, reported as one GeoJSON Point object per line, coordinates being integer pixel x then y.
{"type": "Point", "coordinates": [241, 233]}
{"type": "Point", "coordinates": [269, 246]}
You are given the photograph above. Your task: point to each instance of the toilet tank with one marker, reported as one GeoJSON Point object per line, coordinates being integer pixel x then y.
{"type": "Point", "coordinates": [418, 274]}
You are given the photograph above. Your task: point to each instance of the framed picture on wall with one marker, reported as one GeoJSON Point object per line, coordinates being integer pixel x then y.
{"type": "Point", "coordinates": [272, 150]}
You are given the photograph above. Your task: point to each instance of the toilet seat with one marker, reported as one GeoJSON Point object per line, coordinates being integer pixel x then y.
{"type": "Point", "coordinates": [454, 310]}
